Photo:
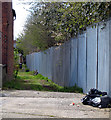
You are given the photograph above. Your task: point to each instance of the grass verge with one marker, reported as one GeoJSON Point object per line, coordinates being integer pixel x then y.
{"type": "Point", "coordinates": [28, 81]}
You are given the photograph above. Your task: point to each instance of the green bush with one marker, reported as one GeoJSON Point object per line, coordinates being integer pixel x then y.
{"type": "Point", "coordinates": [15, 73]}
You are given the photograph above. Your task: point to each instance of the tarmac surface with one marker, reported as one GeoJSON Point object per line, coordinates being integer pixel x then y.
{"type": "Point", "coordinates": [37, 104]}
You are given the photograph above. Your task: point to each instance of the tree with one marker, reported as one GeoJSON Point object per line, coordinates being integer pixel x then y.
{"type": "Point", "coordinates": [51, 23]}
{"type": "Point", "coordinates": [68, 19]}
{"type": "Point", "coordinates": [34, 38]}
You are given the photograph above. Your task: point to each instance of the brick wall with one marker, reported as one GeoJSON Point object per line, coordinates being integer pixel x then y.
{"type": "Point", "coordinates": [0, 32]}
{"type": "Point", "coordinates": [7, 38]}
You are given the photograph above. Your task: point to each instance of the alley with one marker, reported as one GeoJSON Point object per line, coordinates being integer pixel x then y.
{"type": "Point", "coordinates": [36, 104]}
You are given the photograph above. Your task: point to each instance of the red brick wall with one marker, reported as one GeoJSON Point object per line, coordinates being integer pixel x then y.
{"type": "Point", "coordinates": [0, 32]}
{"type": "Point", "coordinates": [4, 32]}
{"type": "Point", "coordinates": [7, 38]}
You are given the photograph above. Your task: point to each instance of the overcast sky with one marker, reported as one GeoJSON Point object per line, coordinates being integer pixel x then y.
{"type": "Point", "coordinates": [21, 15]}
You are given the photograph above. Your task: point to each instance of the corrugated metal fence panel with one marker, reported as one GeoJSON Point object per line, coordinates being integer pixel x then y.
{"type": "Point", "coordinates": [36, 58]}
{"type": "Point", "coordinates": [73, 78]}
{"type": "Point", "coordinates": [40, 63]}
{"type": "Point", "coordinates": [76, 60]}
{"type": "Point", "coordinates": [110, 57]}
{"type": "Point", "coordinates": [67, 64]}
{"type": "Point", "coordinates": [57, 65]}
{"type": "Point", "coordinates": [103, 58]}
{"type": "Point", "coordinates": [55, 58]}
{"type": "Point", "coordinates": [49, 63]}
{"type": "Point", "coordinates": [43, 63]}
{"type": "Point", "coordinates": [33, 61]}
{"type": "Point", "coordinates": [91, 57]}
{"type": "Point", "coordinates": [61, 64]}
{"type": "Point", "coordinates": [53, 63]}
{"type": "Point", "coordinates": [27, 60]}
{"type": "Point", "coordinates": [57, 68]}
{"type": "Point", "coordinates": [82, 62]}
{"type": "Point", "coordinates": [30, 61]}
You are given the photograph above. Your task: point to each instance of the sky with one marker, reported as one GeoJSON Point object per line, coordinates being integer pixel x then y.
{"type": "Point", "coordinates": [21, 15]}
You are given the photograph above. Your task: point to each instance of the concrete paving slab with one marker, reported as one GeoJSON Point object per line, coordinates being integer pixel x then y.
{"type": "Point", "coordinates": [37, 104]}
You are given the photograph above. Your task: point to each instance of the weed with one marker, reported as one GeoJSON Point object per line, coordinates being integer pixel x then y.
{"type": "Point", "coordinates": [28, 81]}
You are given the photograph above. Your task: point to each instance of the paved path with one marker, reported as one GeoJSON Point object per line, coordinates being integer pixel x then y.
{"type": "Point", "coordinates": [35, 104]}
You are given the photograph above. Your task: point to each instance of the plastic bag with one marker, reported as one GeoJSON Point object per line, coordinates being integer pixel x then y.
{"type": "Point", "coordinates": [97, 98]}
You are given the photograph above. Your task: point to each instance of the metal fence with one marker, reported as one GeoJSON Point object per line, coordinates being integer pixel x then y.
{"type": "Point", "coordinates": [84, 60]}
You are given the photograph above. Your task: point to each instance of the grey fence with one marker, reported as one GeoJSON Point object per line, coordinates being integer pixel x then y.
{"type": "Point", "coordinates": [84, 60]}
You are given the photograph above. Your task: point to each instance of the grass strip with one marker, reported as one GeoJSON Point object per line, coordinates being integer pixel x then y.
{"type": "Point", "coordinates": [28, 81]}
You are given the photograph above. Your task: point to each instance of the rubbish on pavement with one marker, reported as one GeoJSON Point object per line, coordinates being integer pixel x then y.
{"type": "Point", "coordinates": [73, 103]}
{"type": "Point", "coordinates": [77, 105]}
{"type": "Point", "coordinates": [97, 98]}
{"type": "Point", "coordinates": [35, 72]}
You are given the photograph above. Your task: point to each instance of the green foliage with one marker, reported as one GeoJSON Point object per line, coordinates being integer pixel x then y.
{"type": "Point", "coordinates": [12, 85]}
{"type": "Point", "coordinates": [16, 61]}
{"type": "Point", "coordinates": [51, 23]}
{"type": "Point", "coordinates": [16, 56]}
{"type": "Point", "coordinates": [24, 68]}
{"type": "Point", "coordinates": [71, 89]}
{"type": "Point", "coordinates": [28, 81]}
{"type": "Point", "coordinates": [35, 37]}
{"type": "Point", "coordinates": [15, 73]}
{"type": "Point", "coordinates": [67, 19]}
